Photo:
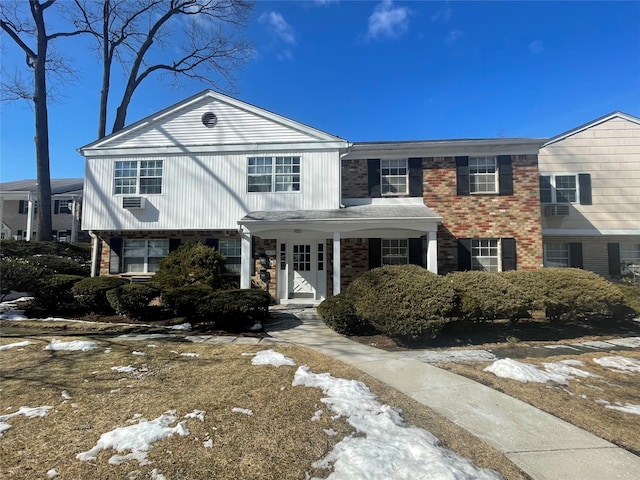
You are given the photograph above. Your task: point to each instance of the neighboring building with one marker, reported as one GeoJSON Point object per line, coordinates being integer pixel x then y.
{"type": "Point", "coordinates": [590, 196]}
{"type": "Point", "coordinates": [18, 209]}
{"type": "Point", "coordinates": [309, 209]}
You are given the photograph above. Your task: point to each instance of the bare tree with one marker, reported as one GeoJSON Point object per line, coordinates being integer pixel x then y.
{"type": "Point", "coordinates": [25, 30]}
{"type": "Point", "coordinates": [198, 39]}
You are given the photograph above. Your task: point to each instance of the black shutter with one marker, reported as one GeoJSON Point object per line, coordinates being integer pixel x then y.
{"type": "Point", "coordinates": [415, 251]}
{"type": "Point", "coordinates": [462, 175]}
{"type": "Point", "coordinates": [584, 180]}
{"type": "Point", "coordinates": [174, 243]}
{"type": "Point", "coordinates": [253, 255]}
{"type": "Point", "coordinates": [509, 258]}
{"type": "Point", "coordinates": [464, 254]}
{"type": "Point", "coordinates": [415, 177]}
{"type": "Point", "coordinates": [22, 207]}
{"type": "Point", "coordinates": [373, 172]}
{"type": "Point", "coordinates": [505, 175]}
{"type": "Point", "coordinates": [575, 255]}
{"type": "Point", "coordinates": [56, 207]}
{"type": "Point", "coordinates": [20, 234]}
{"type": "Point", "coordinates": [614, 259]}
{"type": "Point", "coordinates": [375, 253]}
{"type": "Point", "coordinates": [212, 242]}
{"type": "Point", "coordinates": [115, 245]}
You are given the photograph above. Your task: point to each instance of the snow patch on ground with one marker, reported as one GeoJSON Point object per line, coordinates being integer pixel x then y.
{"type": "Point", "coordinates": [619, 364]}
{"type": "Point", "coordinates": [29, 412]}
{"type": "Point", "coordinates": [245, 411]}
{"type": "Point", "coordinates": [558, 372]}
{"type": "Point", "coordinates": [182, 326]}
{"type": "Point", "coordinates": [15, 345]}
{"type": "Point", "coordinates": [270, 357]}
{"type": "Point", "coordinates": [76, 345]}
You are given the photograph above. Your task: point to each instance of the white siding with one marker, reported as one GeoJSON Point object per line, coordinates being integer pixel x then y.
{"type": "Point", "coordinates": [610, 152]}
{"type": "Point", "coordinates": [235, 126]}
{"type": "Point", "coordinates": [205, 192]}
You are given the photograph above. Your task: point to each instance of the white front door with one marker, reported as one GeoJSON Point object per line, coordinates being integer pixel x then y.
{"type": "Point", "coordinates": [304, 271]}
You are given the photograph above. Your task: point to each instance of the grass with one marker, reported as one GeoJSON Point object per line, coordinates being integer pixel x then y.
{"type": "Point", "coordinates": [279, 441]}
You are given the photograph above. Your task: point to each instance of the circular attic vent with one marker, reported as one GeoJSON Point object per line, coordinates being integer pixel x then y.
{"type": "Point", "coordinates": [209, 119]}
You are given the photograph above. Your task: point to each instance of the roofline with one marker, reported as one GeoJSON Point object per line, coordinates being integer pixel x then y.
{"type": "Point", "coordinates": [592, 123]}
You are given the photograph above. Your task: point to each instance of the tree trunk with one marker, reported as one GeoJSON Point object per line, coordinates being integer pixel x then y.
{"type": "Point", "coordinates": [107, 58]}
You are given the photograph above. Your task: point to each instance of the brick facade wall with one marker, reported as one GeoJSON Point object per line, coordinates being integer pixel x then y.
{"type": "Point", "coordinates": [355, 181]}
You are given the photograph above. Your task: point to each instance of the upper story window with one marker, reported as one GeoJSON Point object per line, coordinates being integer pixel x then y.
{"type": "Point", "coordinates": [558, 188]}
{"type": "Point", "coordinates": [395, 252]}
{"type": "Point", "coordinates": [273, 174]}
{"type": "Point", "coordinates": [393, 177]}
{"type": "Point", "coordinates": [483, 175]}
{"type": "Point", "coordinates": [138, 177]}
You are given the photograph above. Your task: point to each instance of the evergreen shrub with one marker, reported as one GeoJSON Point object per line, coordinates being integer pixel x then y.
{"type": "Point", "coordinates": [193, 263]}
{"type": "Point", "coordinates": [339, 313]}
{"type": "Point", "coordinates": [185, 301]}
{"type": "Point", "coordinates": [54, 295]}
{"type": "Point", "coordinates": [132, 299]}
{"type": "Point", "coordinates": [91, 293]}
{"type": "Point", "coordinates": [17, 274]}
{"type": "Point", "coordinates": [235, 310]}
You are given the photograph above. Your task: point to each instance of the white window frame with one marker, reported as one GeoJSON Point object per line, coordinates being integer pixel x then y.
{"type": "Point", "coordinates": [231, 248]}
{"type": "Point", "coordinates": [395, 251]}
{"type": "Point", "coordinates": [629, 255]}
{"type": "Point", "coordinates": [553, 188]}
{"type": "Point", "coordinates": [394, 177]}
{"type": "Point", "coordinates": [149, 262]}
{"type": "Point", "coordinates": [66, 204]}
{"type": "Point", "coordinates": [556, 255]}
{"type": "Point", "coordinates": [280, 174]}
{"type": "Point", "coordinates": [481, 179]}
{"type": "Point", "coordinates": [137, 177]}
{"type": "Point", "coordinates": [486, 254]}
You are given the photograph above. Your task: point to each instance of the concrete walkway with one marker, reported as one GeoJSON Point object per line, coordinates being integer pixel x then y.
{"type": "Point", "coordinates": [543, 446]}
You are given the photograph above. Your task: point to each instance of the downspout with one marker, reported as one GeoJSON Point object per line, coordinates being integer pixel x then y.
{"type": "Point", "coordinates": [95, 254]}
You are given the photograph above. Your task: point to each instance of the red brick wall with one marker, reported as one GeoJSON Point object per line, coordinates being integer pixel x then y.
{"type": "Point", "coordinates": [355, 180]}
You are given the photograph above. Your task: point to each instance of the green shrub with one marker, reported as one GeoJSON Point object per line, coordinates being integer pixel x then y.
{"type": "Point", "coordinates": [54, 295]}
{"type": "Point", "coordinates": [51, 264]}
{"type": "Point", "coordinates": [487, 296]}
{"type": "Point", "coordinates": [91, 293]}
{"type": "Point", "coordinates": [17, 274]}
{"type": "Point", "coordinates": [235, 310]}
{"type": "Point", "coordinates": [79, 252]}
{"type": "Point", "coordinates": [532, 283]}
{"type": "Point", "coordinates": [184, 301]}
{"type": "Point", "coordinates": [339, 313]}
{"type": "Point", "coordinates": [403, 301]}
{"type": "Point", "coordinates": [132, 299]}
{"type": "Point", "coordinates": [566, 293]}
{"type": "Point", "coordinates": [631, 294]}
{"type": "Point", "coordinates": [192, 263]}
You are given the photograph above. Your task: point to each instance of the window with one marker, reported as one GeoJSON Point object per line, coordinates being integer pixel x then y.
{"type": "Point", "coordinates": [302, 258]}
{"type": "Point", "coordinates": [393, 177]}
{"type": "Point", "coordinates": [273, 174]}
{"type": "Point", "coordinates": [558, 189]}
{"type": "Point", "coordinates": [320, 257]}
{"type": "Point", "coordinates": [556, 255]}
{"type": "Point", "coordinates": [395, 252]}
{"type": "Point", "coordinates": [138, 177]}
{"type": "Point", "coordinates": [629, 255]}
{"type": "Point", "coordinates": [62, 207]}
{"type": "Point", "coordinates": [144, 256]}
{"type": "Point", "coordinates": [231, 249]}
{"type": "Point", "coordinates": [485, 255]}
{"type": "Point", "coordinates": [483, 175]}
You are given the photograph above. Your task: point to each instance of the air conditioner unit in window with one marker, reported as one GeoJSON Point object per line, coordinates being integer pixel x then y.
{"type": "Point", "coordinates": [133, 203]}
{"type": "Point", "coordinates": [556, 210]}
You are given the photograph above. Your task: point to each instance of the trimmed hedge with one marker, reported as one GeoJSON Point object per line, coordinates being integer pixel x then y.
{"type": "Point", "coordinates": [339, 313]}
{"type": "Point", "coordinates": [54, 293]}
{"type": "Point", "coordinates": [235, 310]}
{"type": "Point", "coordinates": [184, 301]}
{"type": "Point", "coordinates": [487, 296]}
{"type": "Point", "coordinates": [567, 293]}
{"type": "Point", "coordinates": [79, 252]}
{"type": "Point", "coordinates": [52, 264]}
{"type": "Point", "coordinates": [403, 301]}
{"type": "Point", "coordinates": [17, 274]}
{"type": "Point", "coordinates": [132, 299]}
{"type": "Point", "coordinates": [91, 293]}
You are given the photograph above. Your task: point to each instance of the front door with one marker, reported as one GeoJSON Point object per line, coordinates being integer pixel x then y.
{"type": "Point", "coordinates": [304, 271]}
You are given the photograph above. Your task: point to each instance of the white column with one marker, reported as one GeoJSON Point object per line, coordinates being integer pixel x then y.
{"type": "Point", "coordinates": [30, 208]}
{"type": "Point", "coordinates": [336, 263]}
{"type": "Point", "coordinates": [74, 220]}
{"type": "Point", "coordinates": [432, 252]}
{"type": "Point", "coordinates": [245, 256]}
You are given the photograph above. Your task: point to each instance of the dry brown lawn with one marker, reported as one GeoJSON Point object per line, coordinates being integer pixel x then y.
{"type": "Point", "coordinates": [279, 441]}
{"type": "Point", "coordinates": [577, 402]}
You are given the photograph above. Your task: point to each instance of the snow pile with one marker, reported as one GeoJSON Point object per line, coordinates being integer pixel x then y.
{"type": "Point", "coordinates": [182, 326]}
{"type": "Point", "coordinates": [619, 364]}
{"type": "Point", "coordinates": [27, 412]}
{"type": "Point", "coordinates": [384, 448]}
{"type": "Point", "coordinates": [246, 411]}
{"type": "Point", "coordinates": [138, 439]}
{"type": "Point", "coordinates": [135, 371]}
{"type": "Point", "coordinates": [623, 407]}
{"type": "Point", "coordinates": [76, 345]}
{"type": "Point", "coordinates": [271, 357]}
{"type": "Point", "coordinates": [190, 355]}
{"type": "Point", "coordinates": [558, 372]}
{"type": "Point", "coordinates": [15, 345]}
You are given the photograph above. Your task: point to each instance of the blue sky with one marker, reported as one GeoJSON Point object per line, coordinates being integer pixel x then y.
{"type": "Point", "coordinates": [385, 70]}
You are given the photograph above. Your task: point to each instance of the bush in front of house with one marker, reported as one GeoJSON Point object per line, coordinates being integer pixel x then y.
{"type": "Point", "coordinates": [234, 310]}
{"type": "Point", "coordinates": [193, 263]}
{"type": "Point", "coordinates": [184, 301]}
{"type": "Point", "coordinates": [568, 293]}
{"type": "Point", "coordinates": [17, 274]}
{"type": "Point", "coordinates": [53, 294]}
{"type": "Point", "coordinates": [79, 252]}
{"type": "Point", "coordinates": [132, 299]}
{"type": "Point", "coordinates": [339, 313]}
{"type": "Point", "coordinates": [52, 264]}
{"type": "Point", "coordinates": [403, 301]}
{"type": "Point", "coordinates": [484, 296]}
{"type": "Point", "coordinates": [91, 293]}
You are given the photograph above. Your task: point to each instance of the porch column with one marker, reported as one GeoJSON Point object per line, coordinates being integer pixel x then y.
{"type": "Point", "coordinates": [30, 209]}
{"type": "Point", "coordinates": [432, 252]}
{"type": "Point", "coordinates": [74, 220]}
{"type": "Point", "coordinates": [336, 263]}
{"type": "Point", "coordinates": [245, 258]}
